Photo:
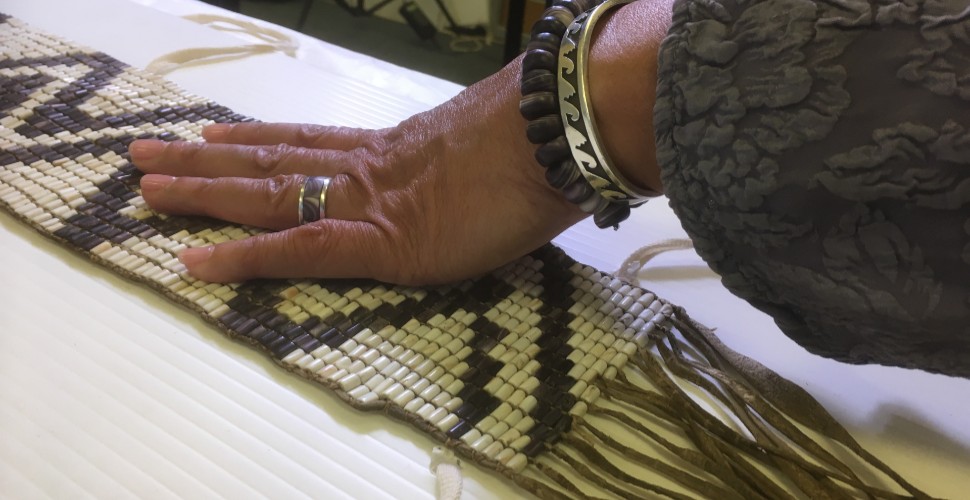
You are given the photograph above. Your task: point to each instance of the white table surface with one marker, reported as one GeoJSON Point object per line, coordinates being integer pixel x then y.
{"type": "Point", "coordinates": [121, 393]}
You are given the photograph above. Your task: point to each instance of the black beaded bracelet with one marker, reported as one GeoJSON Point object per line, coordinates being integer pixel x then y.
{"type": "Point", "coordinates": [540, 105]}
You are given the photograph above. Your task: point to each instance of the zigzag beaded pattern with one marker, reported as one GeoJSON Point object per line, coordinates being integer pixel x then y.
{"type": "Point", "coordinates": [499, 366]}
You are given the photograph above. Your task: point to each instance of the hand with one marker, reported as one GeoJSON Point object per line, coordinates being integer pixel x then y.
{"type": "Point", "coordinates": [448, 194]}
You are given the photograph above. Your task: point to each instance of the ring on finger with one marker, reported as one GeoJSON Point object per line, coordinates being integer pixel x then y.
{"type": "Point", "coordinates": [312, 204]}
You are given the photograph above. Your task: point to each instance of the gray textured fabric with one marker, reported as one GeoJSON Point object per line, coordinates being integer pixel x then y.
{"type": "Point", "coordinates": [818, 154]}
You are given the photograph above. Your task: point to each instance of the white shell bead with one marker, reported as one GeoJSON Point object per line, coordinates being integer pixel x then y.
{"type": "Point", "coordinates": [410, 379]}
{"type": "Point", "coordinates": [518, 462]}
{"type": "Point", "coordinates": [425, 411]}
{"type": "Point", "coordinates": [448, 422]}
{"type": "Point", "coordinates": [437, 415]}
{"type": "Point", "coordinates": [442, 398]}
{"type": "Point", "coordinates": [403, 398]}
{"type": "Point", "coordinates": [483, 442]}
{"type": "Point", "coordinates": [314, 365]}
{"type": "Point", "coordinates": [509, 435]}
{"type": "Point", "coordinates": [375, 381]}
{"type": "Point", "coordinates": [493, 449]}
{"type": "Point", "coordinates": [420, 385]}
{"type": "Point", "coordinates": [327, 370]}
{"type": "Point", "coordinates": [578, 388]}
{"type": "Point", "coordinates": [504, 392]}
{"type": "Point", "coordinates": [505, 455]}
{"type": "Point", "coordinates": [391, 367]}
{"type": "Point", "coordinates": [579, 409]}
{"type": "Point", "coordinates": [413, 405]}
{"type": "Point", "coordinates": [452, 404]}
{"type": "Point", "coordinates": [516, 398]}
{"type": "Point", "coordinates": [293, 356]}
{"type": "Point", "coordinates": [343, 363]}
{"type": "Point", "coordinates": [430, 392]}
{"type": "Point", "coordinates": [366, 373]}
{"type": "Point", "coordinates": [384, 386]}
{"type": "Point", "coordinates": [358, 392]}
{"type": "Point", "coordinates": [529, 403]}
{"type": "Point", "coordinates": [393, 391]}
{"type": "Point", "coordinates": [471, 436]}
{"type": "Point", "coordinates": [486, 423]}
{"type": "Point", "coordinates": [498, 429]}
{"type": "Point", "coordinates": [520, 442]}
{"type": "Point", "coordinates": [332, 356]}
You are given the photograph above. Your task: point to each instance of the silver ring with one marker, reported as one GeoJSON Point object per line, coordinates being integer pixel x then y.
{"type": "Point", "coordinates": [312, 205]}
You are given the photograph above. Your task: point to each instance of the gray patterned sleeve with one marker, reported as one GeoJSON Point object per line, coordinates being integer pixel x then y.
{"type": "Point", "coordinates": [818, 154]}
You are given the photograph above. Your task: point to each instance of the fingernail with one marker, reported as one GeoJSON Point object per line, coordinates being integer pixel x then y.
{"type": "Point", "coordinates": [145, 149]}
{"type": "Point", "coordinates": [151, 183]}
{"type": "Point", "coordinates": [216, 132]}
{"type": "Point", "coordinates": [194, 256]}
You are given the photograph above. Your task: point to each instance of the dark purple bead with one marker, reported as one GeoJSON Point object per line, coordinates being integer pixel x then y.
{"type": "Point", "coordinates": [577, 7]}
{"type": "Point", "coordinates": [550, 24]}
{"type": "Point", "coordinates": [545, 41]}
{"type": "Point", "coordinates": [563, 14]}
{"type": "Point", "coordinates": [553, 152]}
{"type": "Point", "coordinates": [563, 174]}
{"type": "Point", "coordinates": [578, 191]}
{"type": "Point", "coordinates": [539, 59]}
{"type": "Point", "coordinates": [538, 104]}
{"type": "Point", "coordinates": [538, 80]}
{"type": "Point", "coordinates": [544, 129]}
{"type": "Point", "coordinates": [611, 216]}
{"type": "Point", "coordinates": [593, 204]}
{"type": "Point", "coordinates": [534, 448]}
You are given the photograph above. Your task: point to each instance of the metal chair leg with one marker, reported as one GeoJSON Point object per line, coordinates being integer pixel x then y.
{"type": "Point", "coordinates": [304, 13]}
{"type": "Point", "coordinates": [513, 30]}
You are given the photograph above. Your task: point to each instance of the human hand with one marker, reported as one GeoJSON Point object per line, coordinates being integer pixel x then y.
{"type": "Point", "coordinates": [446, 195]}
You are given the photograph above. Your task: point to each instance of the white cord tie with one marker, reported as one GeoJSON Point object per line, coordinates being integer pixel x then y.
{"type": "Point", "coordinates": [447, 470]}
{"type": "Point", "coordinates": [631, 267]}
{"type": "Point", "coordinates": [271, 41]}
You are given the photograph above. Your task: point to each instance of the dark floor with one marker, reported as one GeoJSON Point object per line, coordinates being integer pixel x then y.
{"type": "Point", "coordinates": [387, 40]}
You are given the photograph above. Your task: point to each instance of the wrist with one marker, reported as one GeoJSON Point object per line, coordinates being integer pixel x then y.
{"type": "Point", "coordinates": [623, 79]}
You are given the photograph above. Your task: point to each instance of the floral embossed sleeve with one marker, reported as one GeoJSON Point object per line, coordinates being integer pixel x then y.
{"type": "Point", "coordinates": [817, 155]}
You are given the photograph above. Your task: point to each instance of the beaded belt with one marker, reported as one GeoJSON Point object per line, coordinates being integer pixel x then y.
{"type": "Point", "coordinates": [546, 370]}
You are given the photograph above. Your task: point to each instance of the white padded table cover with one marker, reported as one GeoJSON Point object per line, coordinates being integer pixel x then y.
{"type": "Point", "coordinates": [121, 393]}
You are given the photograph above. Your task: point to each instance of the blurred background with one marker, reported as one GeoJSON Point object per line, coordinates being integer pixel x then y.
{"type": "Point", "coordinates": [461, 41]}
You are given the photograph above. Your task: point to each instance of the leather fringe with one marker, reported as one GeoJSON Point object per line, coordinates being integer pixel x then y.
{"type": "Point", "coordinates": [690, 418]}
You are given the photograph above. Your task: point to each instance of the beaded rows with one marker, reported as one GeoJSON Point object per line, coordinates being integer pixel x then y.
{"type": "Point", "coordinates": [540, 106]}
{"type": "Point", "coordinates": [498, 366]}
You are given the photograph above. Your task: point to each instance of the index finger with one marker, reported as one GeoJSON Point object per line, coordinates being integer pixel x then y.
{"type": "Point", "coordinates": [302, 135]}
{"type": "Point", "coordinates": [325, 249]}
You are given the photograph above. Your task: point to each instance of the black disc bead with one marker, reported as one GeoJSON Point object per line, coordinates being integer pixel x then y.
{"type": "Point", "coordinates": [577, 7]}
{"type": "Point", "coordinates": [611, 216]}
{"type": "Point", "coordinates": [563, 174]}
{"type": "Point", "coordinates": [539, 59]}
{"type": "Point", "coordinates": [578, 191]}
{"type": "Point", "coordinates": [545, 41]}
{"type": "Point", "coordinates": [550, 24]}
{"type": "Point", "coordinates": [553, 152]}
{"type": "Point", "coordinates": [538, 80]}
{"type": "Point", "coordinates": [594, 204]}
{"type": "Point", "coordinates": [544, 129]}
{"type": "Point", "coordinates": [538, 104]}
{"type": "Point", "coordinates": [563, 14]}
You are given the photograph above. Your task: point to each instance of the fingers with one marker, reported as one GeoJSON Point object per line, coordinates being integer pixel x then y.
{"type": "Point", "coordinates": [327, 249]}
{"type": "Point", "coordinates": [295, 134]}
{"type": "Point", "coordinates": [199, 159]}
{"type": "Point", "coordinates": [269, 203]}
